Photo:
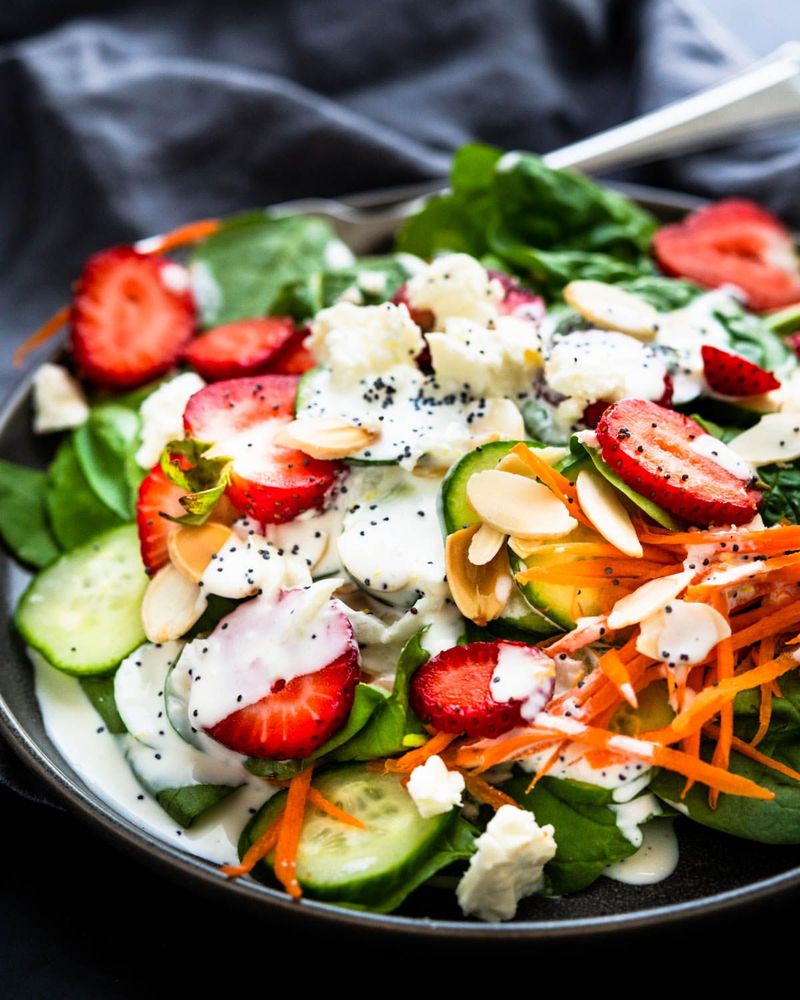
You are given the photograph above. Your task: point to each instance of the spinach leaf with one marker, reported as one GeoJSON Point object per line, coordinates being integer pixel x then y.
{"type": "Point", "coordinates": [393, 718]}
{"type": "Point", "coordinates": [548, 226]}
{"type": "Point", "coordinates": [366, 701]}
{"type": "Point", "coordinates": [100, 692]}
{"type": "Point", "coordinates": [372, 279]}
{"type": "Point", "coordinates": [751, 337]}
{"type": "Point", "coordinates": [664, 294]}
{"type": "Point", "coordinates": [782, 499]}
{"type": "Point", "coordinates": [240, 269]}
{"type": "Point", "coordinates": [586, 830]}
{"type": "Point", "coordinates": [724, 434]}
{"type": "Point", "coordinates": [76, 514]}
{"type": "Point", "coordinates": [457, 844]}
{"type": "Point", "coordinates": [23, 515]}
{"type": "Point", "coordinates": [185, 804]}
{"type": "Point", "coordinates": [105, 446]}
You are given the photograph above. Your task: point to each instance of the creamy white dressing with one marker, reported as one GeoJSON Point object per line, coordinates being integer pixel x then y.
{"type": "Point", "coordinates": [98, 758]}
{"type": "Point", "coordinates": [524, 674]}
{"type": "Point", "coordinates": [725, 457]}
{"type": "Point", "coordinates": [655, 860]}
{"type": "Point", "coordinates": [682, 632]}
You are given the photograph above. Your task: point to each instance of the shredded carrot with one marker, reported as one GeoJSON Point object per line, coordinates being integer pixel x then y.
{"type": "Point", "coordinates": [608, 698]}
{"type": "Point", "coordinates": [559, 485]}
{"type": "Point", "coordinates": [546, 766]}
{"type": "Point", "coordinates": [258, 850]}
{"type": "Point", "coordinates": [748, 750]}
{"type": "Point", "coordinates": [722, 751]}
{"type": "Point", "coordinates": [289, 833]}
{"type": "Point", "coordinates": [192, 232]}
{"type": "Point", "coordinates": [412, 759]}
{"type": "Point", "coordinates": [505, 748]}
{"type": "Point", "coordinates": [762, 540]}
{"type": "Point", "coordinates": [767, 625]}
{"type": "Point", "coordinates": [690, 746]}
{"type": "Point", "coordinates": [615, 669]}
{"type": "Point", "coordinates": [45, 332]}
{"type": "Point", "coordinates": [316, 798]}
{"type": "Point", "coordinates": [480, 789]}
{"type": "Point", "coordinates": [602, 758]}
{"type": "Point", "coordinates": [766, 651]}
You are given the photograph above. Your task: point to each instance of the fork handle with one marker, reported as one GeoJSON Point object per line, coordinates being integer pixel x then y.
{"type": "Point", "coordinates": [766, 92]}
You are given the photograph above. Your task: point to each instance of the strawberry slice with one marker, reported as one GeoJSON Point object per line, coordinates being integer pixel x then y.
{"type": "Point", "coordinates": [594, 411]}
{"type": "Point", "coordinates": [295, 358]}
{"type": "Point", "coordinates": [453, 691]}
{"type": "Point", "coordinates": [650, 448]}
{"type": "Point", "coordinates": [518, 300]}
{"type": "Point", "coordinates": [157, 494]}
{"type": "Point", "coordinates": [238, 349]}
{"type": "Point", "coordinates": [295, 718]}
{"type": "Point", "coordinates": [131, 315]}
{"type": "Point", "coordinates": [732, 375]}
{"type": "Point", "coordinates": [733, 242]}
{"type": "Point", "coordinates": [240, 417]}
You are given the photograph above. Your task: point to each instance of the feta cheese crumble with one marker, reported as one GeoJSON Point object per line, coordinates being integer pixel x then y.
{"type": "Point", "coordinates": [58, 400]}
{"type": "Point", "coordinates": [600, 364]}
{"type": "Point", "coordinates": [456, 285]}
{"type": "Point", "coordinates": [162, 416]}
{"type": "Point", "coordinates": [434, 789]}
{"type": "Point", "coordinates": [508, 865]}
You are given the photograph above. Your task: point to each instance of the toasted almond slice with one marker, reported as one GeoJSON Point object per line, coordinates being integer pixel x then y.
{"type": "Point", "coordinates": [500, 417]}
{"type": "Point", "coordinates": [601, 503]}
{"type": "Point", "coordinates": [513, 463]}
{"type": "Point", "coordinates": [325, 437]}
{"type": "Point", "coordinates": [481, 593]}
{"type": "Point", "coordinates": [648, 599]}
{"type": "Point", "coordinates": [685, 635]}
{"type": "Point", "coordinates": [517, 505]}
{"type": "Point", "coordinates": [525, 547]}
{"type": "Point", "coordinates": [485, 545]}
{"type": "Point", "coordinates": [192, 546]}
{"type": "Point", "coordinates": [171, 605]}
{"type": "Point", "coordinates": [775, 438]}
{"type": "Point", "coordinates": [612, 308]}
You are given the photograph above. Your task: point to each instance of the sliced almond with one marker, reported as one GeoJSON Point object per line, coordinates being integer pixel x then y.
{"type": "Point", "coordinates": [775, 438]}
{"type": "Point", "coordinates": [325, 437]}
{"type": "Point", "coordinates": [648, 599]}
{"type": "Point", "coordinates": [517, 505]}
{"type": "Point", "coordinates": [192, 546]}
{"type": "Point", "coordinates": [171, 605]}
{"type": "Point", "coordinates": [601, 503]}
{"type": "Point", "coordinates": [485, 545]}
{"type": "Point", "coordinates": [685, 635]}
{"type": "Point", "coordinates": [499, 418]}
{"type": "Point", "coordinates": [481, 593]}
{"type": "Point", "coordinates": [612, 308]}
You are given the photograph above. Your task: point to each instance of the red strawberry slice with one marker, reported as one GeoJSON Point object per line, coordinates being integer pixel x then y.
{"type": "Point", "coordinates": [238, 349]}
{"type": "Point", "coordinates": [240, 417]}
{"type": "Point", "coordinates": [157, 494]}
{"type": "Point", "coordinates": [733, 242]}
{"type": "Point", "coordinates": [519, 301]}
{"type": "Point", "coordinates": [295, 358]}
{"type": "Point", "coordinates": [732, 375]}
{"type": "Point", "coordinates": [452, 691]}
{"type": "Point", "coordinates": [651, 450]}
{"type": "Point", "coordinates": [594, 411]}
{"type": "Point", "coordinates": [131, 315]}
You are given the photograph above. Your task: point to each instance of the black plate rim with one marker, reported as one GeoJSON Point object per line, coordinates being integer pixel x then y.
{"type": "Point", "coordinates": [205, 876]}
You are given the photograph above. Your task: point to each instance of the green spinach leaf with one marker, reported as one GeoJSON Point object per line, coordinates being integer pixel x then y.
{"type": "Point", "coordinates": [240, 269]}
{"type": "Point", "coordinates": [782, 499]}
{"type": "Point", "coordinates": [204, 479]}
{"type": "Point", "coordinates": [105, 446]}
{"type": "Point", "coordinates": [393, 718]}
{"type": "Point", "coordinates": [367, 700]}
{"type": "Point", "coordinates": [75, 512]}
{"type": "Point", "coordinates": [185, 804]}
{"type": "Point", "coordinates": [100, 692]}
{"type": "Point", "coordinates": [23, 515]}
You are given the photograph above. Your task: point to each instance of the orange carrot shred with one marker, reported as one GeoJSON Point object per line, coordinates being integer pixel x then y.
{"type": "Point", "coordinates": [258, 850]}
{"type": "Point", "coordinates": [289, 833]}
{"type": "Point", "coordinates": [412, 759]}
{"type": "Point", "coordinates": [766, 651]}
{"type": "Point", "coordinates": [546, 766]}
{"type": "Point", "coordinates": [617, 672]}
{"type": "Point", "coordinates": [45, 332]}
{"type": "Point", "coordinates": [480, 789]}
{"type": "Point", "coordinates": [316, 798]}
{"type": "Point", "coordinates": [691, 746]}
{"type": "Point", "coordinates": [192, 232]}
{"type": "Point", "coordinates": [722, 751]}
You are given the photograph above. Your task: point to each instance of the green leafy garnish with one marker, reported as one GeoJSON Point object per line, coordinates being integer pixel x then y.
{"type": "Point", "coordinates": [100, 692]}
{"type": "Point", "coordinates": [24, 524]}
{"type": "Point", "coordinates": [105, 446]}
{"type": "Point", "coordinates": [371, 279]}
{"type": "Point", "coordinates": [76, 513]}
{"type": "Point", "coordinates": [185, 804]}
{"type": "Point", "coordinates": [204, 479]}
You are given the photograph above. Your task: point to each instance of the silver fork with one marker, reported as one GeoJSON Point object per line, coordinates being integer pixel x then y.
{"type": "Point", "coordinates": [763, 94]}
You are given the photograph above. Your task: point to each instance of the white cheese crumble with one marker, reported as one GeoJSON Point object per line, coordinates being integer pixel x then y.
{"type": "Point", "coordinates": [364, 341]}
{"type": "Point", "coordinates": [456, 285]}
{"type": "Point", "coordinates": [434, 789]}
{"type": "Point", "coordinates": [601, 364]}
{"type": "Point", "coordinates": [501, 360]}
{"type": "Point", "coordinates": [508, 865]}
{"type": "Point", "coordinates": [58, 400]}
{"type": "Point", "coordinates": [162, 416]}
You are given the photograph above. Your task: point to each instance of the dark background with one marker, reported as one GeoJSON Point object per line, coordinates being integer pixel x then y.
{"type": "Point", "coordinates": [119, 120]}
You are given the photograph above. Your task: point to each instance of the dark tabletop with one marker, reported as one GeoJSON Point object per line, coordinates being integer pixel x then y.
{"type": "Point", "coordinates": [119, 120]}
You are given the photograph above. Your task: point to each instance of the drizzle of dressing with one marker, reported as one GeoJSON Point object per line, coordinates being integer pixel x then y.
{"type": "Point", "coordinates": [725, 457]}
{"type": "Point", "coordinates": [655, 860]}
{"type": "Point", "coordinates": [524, 674]}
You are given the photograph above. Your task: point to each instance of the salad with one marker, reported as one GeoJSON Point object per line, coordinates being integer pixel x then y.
{"type": "Point", "coordinates": [478, 559]}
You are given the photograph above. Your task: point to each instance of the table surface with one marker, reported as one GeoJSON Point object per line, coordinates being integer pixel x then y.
{"type": "Point", "coordinates": [78, 919]}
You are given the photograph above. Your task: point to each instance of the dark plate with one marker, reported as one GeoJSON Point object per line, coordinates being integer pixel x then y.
{"type": "Point", "coordinates": [715, 871]}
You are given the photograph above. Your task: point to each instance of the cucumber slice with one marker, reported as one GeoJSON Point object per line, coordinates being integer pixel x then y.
{"type": "Point", "coordinates": [82, 613]}
{"type": "Point", "coordinates": [560, 603]}
{"type": "Point", "coordinates": [342, 863]}
{"type": "Point", "coordinates": [457, 513]}
{"type": "Point", "coordinates": [521, 620]}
